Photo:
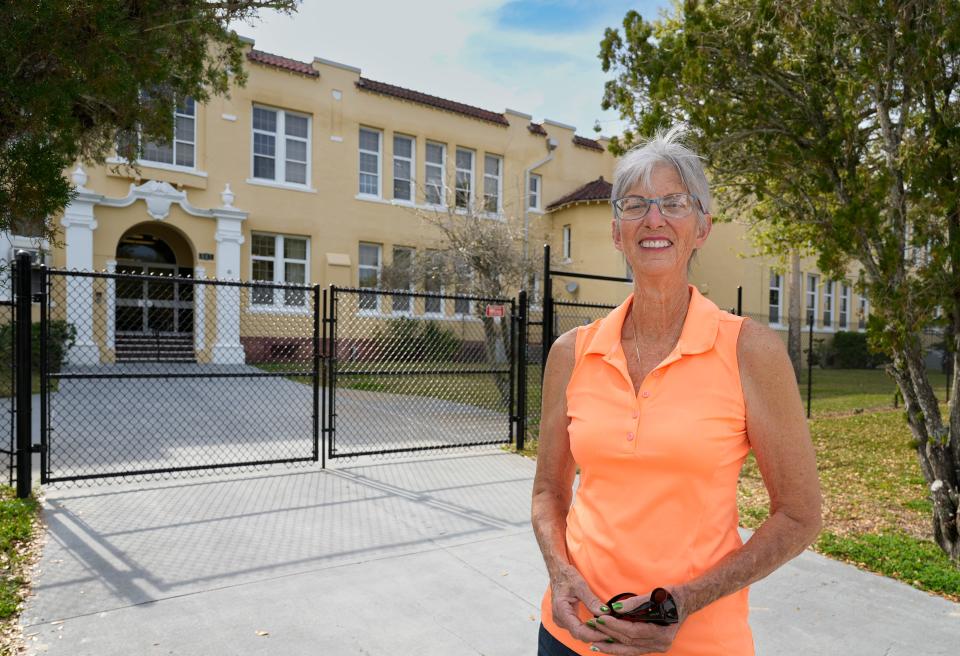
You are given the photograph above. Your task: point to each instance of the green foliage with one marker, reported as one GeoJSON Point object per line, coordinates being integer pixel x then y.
{"type": "Point", "coordinates": [16, 529]}
{"type": "Point", "coordinates": [896, 555]}
{"type": "Point", "coordinates": [849, 350]}
{"type": "Point", "coordinates": [60, 337]}
{"type": "Point", "coordinates": [412, 340]}
{"type": "Point", "coordinates": [72, 76]}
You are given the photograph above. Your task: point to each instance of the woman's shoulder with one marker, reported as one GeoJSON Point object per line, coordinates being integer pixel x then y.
{"type": "Point", "coordinates": [757, 344]}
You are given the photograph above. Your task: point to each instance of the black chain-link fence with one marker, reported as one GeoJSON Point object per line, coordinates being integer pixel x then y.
{"type": "Point", "coordinates": [152, 375]}
{"type": "Point", "coordinates": [8, 377]}
{"type": "Point", "coordinates": [419, 371]}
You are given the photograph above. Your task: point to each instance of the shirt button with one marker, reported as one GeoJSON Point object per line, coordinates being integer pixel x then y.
{"type": "Point", "coordinates": [645, 394]}
{"type": "Point", "coordinates": [635, 414]}
{"type": "Point", "coordinates": [629, 437]}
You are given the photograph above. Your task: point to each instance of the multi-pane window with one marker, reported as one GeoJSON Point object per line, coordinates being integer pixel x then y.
{"type": "Point", "coordinates": [812, 281]}
{"type": "Point", "coordinates": [464, 178]}
{"type": "Point", "coordinates": [492, 182]}
{"type": "Point", "coordinates": [828, 304]}
{"type": "Point", "coordinates": [182, 150]}
{"type": "Point", "coordinates": [776, 297]}
{"type": "Point", "coordinates": [435, 163]}
{"type": "Point", "coordinates": [433, 282]}
{"type": "Point", "coordinates": [404, 165]}
{"type": "Point", "coordinates": [279, 259]}
{"type": "Point", "coordinates": [463, 306]}
{"type": "Point", "coordinates": [369, 267]}
{"type": "Point", "coordinates": [281, 146]}
{"type": "Point", "coordinates": [864, 308]}
{"type": "Point", "coordinates": [844, 305]}
{"type": "Point", "coordinates": [369, 162]}
{"type": "Point", "coordinates": [403, 270]}
{"type": "Point", "coordinates": [567, 241]}
{"type": "Point", "coordinates": [533, 195]}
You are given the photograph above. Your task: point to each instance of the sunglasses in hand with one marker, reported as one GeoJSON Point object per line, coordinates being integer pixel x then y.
{"type": "Point", "coordinates": [661, 609]}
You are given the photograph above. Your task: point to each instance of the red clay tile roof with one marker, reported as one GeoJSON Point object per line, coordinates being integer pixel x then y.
{"type": "Point", "coordinates": [598, 189]}
{"type": "Point", "coordinates": [537, 128]}
{"type": "Point", "coordinates": [432, 101]}
{"type": "Point", "coordinates": [587, 143]}
{"type": "Point", "coordinates": [286, 64]}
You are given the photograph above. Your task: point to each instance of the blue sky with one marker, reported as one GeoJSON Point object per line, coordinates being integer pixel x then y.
{"type": "Point", "coordinates": [534, 56]}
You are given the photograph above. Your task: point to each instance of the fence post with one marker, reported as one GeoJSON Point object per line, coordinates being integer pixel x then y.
{"type": "Point", "coordinates": [546, 334]}
{"type": "Point", "coordinates": [316, 372]}
{"type": "Point", "coordinates": [810, 366]}
{"type": "Point", "coordinates": [24, 376]}
{"type": "Point", "coordinates": [740, 300]}
{"type": "Point", "coordinates": [522, 372]}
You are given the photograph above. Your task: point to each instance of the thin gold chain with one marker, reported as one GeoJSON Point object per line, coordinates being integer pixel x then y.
{"type": "Point", "coordinates": [636, 337]}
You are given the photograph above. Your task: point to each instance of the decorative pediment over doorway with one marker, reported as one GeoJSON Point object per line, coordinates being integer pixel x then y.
{"type": "Point", "coordinates": [158, 196]}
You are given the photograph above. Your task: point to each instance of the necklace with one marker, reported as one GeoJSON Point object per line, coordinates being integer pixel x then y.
{"type": "Point", "coordinates": [636, 337]}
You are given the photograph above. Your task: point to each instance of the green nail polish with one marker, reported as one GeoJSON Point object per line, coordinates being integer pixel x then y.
{"type": "Point", "coordinates": [617, 605]}
{"type": "Point", "coordinates": [604, 609]}
{"type": "Point", "coordinates": [600, 620]}
{"type": "Point", "coordinates": [591, 624]}
{"type": "Point", "coordinates": [594, 649]}
{"type": "Point", "coordinates": [609, 640]}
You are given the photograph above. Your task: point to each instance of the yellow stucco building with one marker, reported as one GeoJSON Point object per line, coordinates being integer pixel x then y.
{"type": "Point", "coordinates": [312, 174]}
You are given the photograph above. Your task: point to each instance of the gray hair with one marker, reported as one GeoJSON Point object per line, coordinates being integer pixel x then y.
{"type": "Point", "coordinates": [664, 148]}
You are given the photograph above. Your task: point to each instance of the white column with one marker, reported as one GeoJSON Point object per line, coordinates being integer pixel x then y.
{"type": "Point", "coordinates": [227, 348]}
{"type": "Point", "coordinates": [111, 302]}
{"type": "Point", "coordinates": [199, 313]}
{"type": "Point", "coordinates": [80, 223]}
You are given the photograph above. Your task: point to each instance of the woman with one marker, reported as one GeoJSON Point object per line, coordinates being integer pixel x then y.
{"type": "Point", "coordinates": [658, 405]}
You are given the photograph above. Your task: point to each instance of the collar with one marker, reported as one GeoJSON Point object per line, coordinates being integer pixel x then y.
{"type": "Point", "coordinates": [698, 335]}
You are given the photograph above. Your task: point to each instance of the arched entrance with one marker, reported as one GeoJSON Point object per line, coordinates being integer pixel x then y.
{"type": "Point", "coordinates": [154, 307]}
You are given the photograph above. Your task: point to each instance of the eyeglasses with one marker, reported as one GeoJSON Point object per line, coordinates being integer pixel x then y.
{"type": "Point", "coordinates": [675, 206]}
{"type": "Point", "coordinates": [661, 609]}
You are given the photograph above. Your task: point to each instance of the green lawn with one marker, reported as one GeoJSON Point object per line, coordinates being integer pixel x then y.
{"type": "Point", "coordinates": [18, 522]}
{"type": "Point", "coordinates": [876, 503]}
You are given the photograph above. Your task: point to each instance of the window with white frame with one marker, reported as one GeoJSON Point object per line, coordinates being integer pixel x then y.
{"type": "Point", "coordinates": [403, 272]}
{"type": "Point", "coordinates": [812, 281]}
{"type": "Point", "coordinates": [776, 298]}
{"type": "Point", "coordinates": [281, 146]}
{"type": "Point", "coordinates": [279, 259]}
{"type": "Point", "coordinates": [435, 164]}
{"type": "Point", "coordinates": [844, 306]}
{"type": "Point", "coordinates": [828, 287]}
{"type": "Point", "coordinates": [464, 178]}
{"type": "Point", "coordinates": [492, 183]}
{"type": "Point", "coordinates": [533, 195]}
{"type": "Point", "coordinates": [433, 283]}
{"type": "Point", "coordinates": [369, 266]}
{"type": "Point", "coordinates": [369, 162]}
{"type": "Point", "coordinates": [404, 164]}
{"type": "Point", "coordinates": [862, 316]}
{"type": "Point", "coordinates": [463, 306]}
{"type": "Point", "coordinates": [567, 241]}
{"type": "Point", "coordinates": [179, 152]}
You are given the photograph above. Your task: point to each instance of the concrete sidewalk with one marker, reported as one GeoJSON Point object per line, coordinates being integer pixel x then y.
{"type": "Point", "coordinates": [433, 556]}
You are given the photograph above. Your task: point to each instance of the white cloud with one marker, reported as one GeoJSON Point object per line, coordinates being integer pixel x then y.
{"type": "Point", "coordinates": [453, 50]}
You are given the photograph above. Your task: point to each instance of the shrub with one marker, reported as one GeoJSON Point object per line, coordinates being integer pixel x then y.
{"type": "Point", "coordinates": [60, 337]}
{"type": "Point", "coordinates": [849, 350]}
{"type": "Point", "coordinates": [408, 340]}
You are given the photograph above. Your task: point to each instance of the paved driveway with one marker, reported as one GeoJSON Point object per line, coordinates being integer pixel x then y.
{"type": "Point", "coordinates": [433, 557]}
{"type": "Point", "coordinates": [105, 425]}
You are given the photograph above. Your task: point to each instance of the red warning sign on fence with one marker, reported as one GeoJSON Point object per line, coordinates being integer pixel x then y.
{"type": "Point", "coordinates": [494, 310]}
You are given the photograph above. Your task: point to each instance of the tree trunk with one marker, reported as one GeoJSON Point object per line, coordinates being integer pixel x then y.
{"type": "Point", "coordinates": [794, 323]}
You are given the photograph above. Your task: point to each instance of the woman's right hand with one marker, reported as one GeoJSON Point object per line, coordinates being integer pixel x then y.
{"type": "Point", "coordinates": [568, 591]}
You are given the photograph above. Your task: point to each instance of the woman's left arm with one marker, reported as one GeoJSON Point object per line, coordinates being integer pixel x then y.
{"type": "Point", "coordinates": [777, 430]}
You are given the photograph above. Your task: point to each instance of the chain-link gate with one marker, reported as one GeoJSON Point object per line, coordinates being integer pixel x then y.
{"type": "Point", "coordinates": [8, 376]}
{"type": "Point", "coordinates": [411, 371]}
{"type": "Point", "coordinates": [185, 374]}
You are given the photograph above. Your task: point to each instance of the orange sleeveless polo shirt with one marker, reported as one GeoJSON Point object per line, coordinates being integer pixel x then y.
{"type": "Point", "coordinates": [657, 500]}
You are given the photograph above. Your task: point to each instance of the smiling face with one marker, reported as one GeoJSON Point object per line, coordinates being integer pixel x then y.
{"type": "Point", "coordinates": [658, 246]}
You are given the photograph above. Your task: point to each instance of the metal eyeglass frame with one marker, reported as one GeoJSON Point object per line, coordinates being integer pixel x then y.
{"type": "Point", "coordinates": [655, 201]}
